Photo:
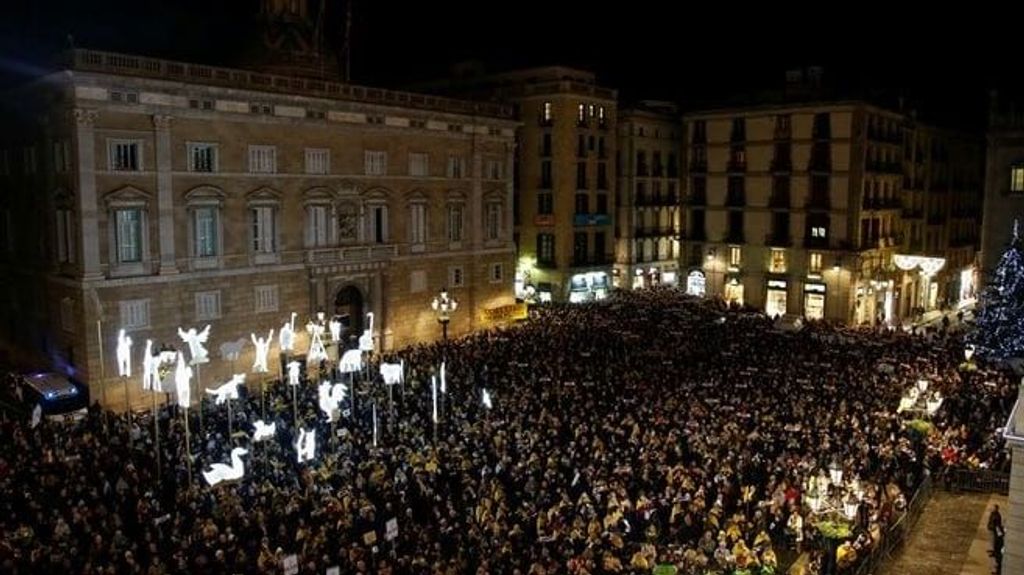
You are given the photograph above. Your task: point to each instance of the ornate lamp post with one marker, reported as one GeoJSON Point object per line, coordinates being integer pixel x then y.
{"type": "Point", "coordinates": [444, 305]}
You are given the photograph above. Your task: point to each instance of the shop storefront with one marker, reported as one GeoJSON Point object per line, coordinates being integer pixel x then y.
{"type": "Point", "coordinates": [967, 287]}
{"type": "Point", "coordinates": [734, 291]}
{"type": "Point", "coordinates": [775, 299]}
{"type": "Point", "coordinates": [814, 301]}
{"type": "Point", "coordinates": [589, 286]}
{"type": "Point", "coordinates": [696, 283]}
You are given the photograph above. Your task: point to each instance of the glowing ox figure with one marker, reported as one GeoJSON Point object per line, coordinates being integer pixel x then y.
{"type": "Point", "coordinates": [335, 327]}
{"type": "Point", "coordinates": [259, 365]}
{"type": "Point", "coordinates": [263, 431]}
{"type": "Point", "coordinates": [219, 472]}
{"type": "Point", "coordinates": [305, 447]}
{"type": "Point", "coordinates": [231, 350]}
{"type": "Point", "coordinates": [195, 341]}
{"type": "Point", "coordinates": [286, 337]}
{"type": "Point", "coordinates": [366, 340]}
{"type": "Point", "coordinates": [293, 372]}
{"type": "Point", "coordinates": [393, 372]}
{"type": "Point", "coordinates": [182, 382]}
{"type": "Point", "coordinates": [351, 361]}
{"type": "Point", "coordinates": [124, 355]}
{"type": "Point", "coordinates": [331, 397]}
{"type": "Point", "coordinates": [229, 390]}
{"type": "Point", "coordinates": [317, 351]}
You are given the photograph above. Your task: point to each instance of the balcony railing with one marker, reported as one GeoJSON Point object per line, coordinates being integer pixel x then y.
{"type": "Point", "coordinates": [699, 166]}
{"type": "Point", "coordinates": [818, 203]}
{"type": "Point", "coordinates": [694, 235]}
{"type": "Point", "coordinates": [591, 261]}
{"type": "Point", "coordinates": [735, 200]}
{"type": "Point", "coordinates": [656, 231]}
{"type": "Point", "coordinates": [778, 240]}
{"type": "Point", "coordinates": [782, 165]}
{"type": "Point", "coordinates": [546, 264]}
{"type": "Point", "coordinates": [376, 252]}
{"type": "Point", "coordinates": [734, 237]}
{"type": "Point", "coordinates": [737, 166]}
{"type": "Point", "coordinates": [878, 204]}
{"type": "Point", "coordinates": [591, 220]}
{"type": "Point", "coordinates": [779, 201]}
{"type": "Point", "coordinates": [697, 199]}
{"type": "Point", "coordinates": [666, 200]}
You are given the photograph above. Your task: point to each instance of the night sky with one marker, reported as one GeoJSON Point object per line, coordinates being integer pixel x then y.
{"type": "Point", "coordinates": [943, 64]}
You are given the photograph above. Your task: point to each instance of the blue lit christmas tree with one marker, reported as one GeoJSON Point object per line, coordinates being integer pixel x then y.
{"type": "Point", "coordinates": [999, 331]}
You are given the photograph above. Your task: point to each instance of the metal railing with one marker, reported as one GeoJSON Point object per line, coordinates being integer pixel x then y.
{"type": "Point", "coordinates": [976, 481]}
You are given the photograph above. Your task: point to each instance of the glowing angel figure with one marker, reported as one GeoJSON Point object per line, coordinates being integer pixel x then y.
{"type": "Point", "coordinates": [259, 364]}
{"type": "Point", "coordinates": [330, 397]}
{"type": "Point", "coordinates": [182, 382]}
{"type": "Point", "coordinates": [305, 447]}
{"type": "Point", "coordinates": [393, 372]}
{"type": "Point", "coordinates": [351, 361]}
{"type": "Point", "coordinates": [286, 337]}
{"type": "Point", "coordinates": [263, 430]}
{"type": "Point", "coordinates": [195, 340]}
{"type": "Point", "coordinates": [335, 327]}
{"type": "Point", "coordinates": [317, 352]}
{"type": "Point", "coordinates": [293, 372]}
{"type": "Point", "coordinates": [366, 340]}
{"type": "Point", "coordinates": [229, 390]}
{"type": "Point", "coordinates": [220, 472]}
{"type": "Point", "coordinates": [124, 355]}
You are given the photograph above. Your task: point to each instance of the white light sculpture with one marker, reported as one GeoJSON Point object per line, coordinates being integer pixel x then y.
{"type": "Point", "coordinates": [293, 372]}
{"type": "Point", "coordinates": [392, 372]}
{"type": "Point", "coordinates": [151, 380]}
{"type": "Point", "coordinates": [317, 351]}
{"type": "Point", "coordinates": [835, 472]}
{"type": "Point", "coordinates": [195, 341]}
{"type": "Point", "coordinates": [366, 340]}
{"type": "Point", "coordinates": [182, 385]}
{"type": "Point", "coordinates": [286, 338]}
{"type": "Point", "coordinates": [220, 472]}
{"type": "Point", "coordinates": [330, 397]}
{"type": "Point", "coordinates": [487, 399]}
{"type": "Point", "coordinates": [305, 447]}
{"type": "Point", "coordinates": [263, 431]}
{"type": "Point", "coordinates": [259, 364]}
{"type": "Point", "coordinates": [375, 425]}
{"type": "Point", "coordinates": [230, 350]}
{"type": "Point", "coordinates": [37, 415]}
{"type": "Point", "coordinates": [968, 351]}
{"type": "Point", "coordinates": [335, 327]}
{"type": "Point", "coordinates": [433, 387]}
{"type": "Point", "coordinates": [351, 361]}
{"type": "Point", "coordinates": [124, 354]}
{"type": "Point", "coordinates": [444, 386]}
{"type": "Point", "coordinates": [922, 385]}
{"type": "Point", "coordinates": [227, 391]}
{"type": "Point", "coordinates": [933, 403]}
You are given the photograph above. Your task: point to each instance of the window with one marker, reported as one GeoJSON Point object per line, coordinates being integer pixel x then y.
{"type": "Point", "coordinates": [735, 256]}
{"type": "Point", "coordinates": [205, 223]}
{"type": "Point", "coordinates": [134, 314]}
{"type": "Point", "coordinates": [318, 230]}
{"type": "Point", "coordinates": [419, 164]}
{"type": "Point", "coordinates": [494, 169]}
{"type": "Point", "coordinates": [266, 299]}
{"type": "Point", "coordinates": [124, 155]}
{"type": "Point", "coordinates": [545, 174]}
{"type": "Point", "coordinates": [418, 281]}
{"type": "Point", "coordinates": [581, 175]}
{"type": "Point", "coordinates": [262, 159]}
{"type": "Point", "coordinates": [547, 114]}
{"type": "Point", "coordinates": [582, 203]}
{"type": "Point", "coordinates": [818, 232]}
{"type": "Point", "coordinates": [546, 248]}
{"type": "Point", "coordinates": [581, 114]}
{"type": "Point", "coordinates": [318, 161]}
{"type": "Point", "coordinates": [602, 204]}
{"type": "Point", "coordinates": [202, 157]}
{"type": "Point", "coordinates": [29, 157]}
{"type": "Point", "coordinates": [67, 314]}
{"type": "Point", "coordinates": [264, 232]}
{"type": "Point", "coordinates": [777, 263]}
{"type": "Point", "coordinates": [814, 262]}
{"type": "Point", "coordinates": [456, 277]}
{"type": "Point", "coordinates": [65, 236]}
{"type": "Point", "coordinates": [128, 234]}
{"type": "Point", "coordinates": [61, 157]}
{"type": "Point", "coordinates": [545, 204]}
{"type": "Point", "coordinates": [455, 223]}
{"type": "Point", "coordinates": [377, 223]}
{"type": "Point", "coordinates": [375, 163]}
{"type": "Point", "coordinates": [497, 273]}
{"type": "Point", "coordinates": [1017, 179]}
{"type": "Point", "coordinates": [261, 108]}
{"type": "Point", "coordinates": [456, 166]}
{"type": "Point", "coordinates": [602, 176]}
{"type": "Point", "coordinates": [493, 221]}
{"type": "Point", "coordinates": [207, 305]}
{"type": "Point", "coordinates": [545, 148]}
{"type": "Point", "coordinates": [418, 224]}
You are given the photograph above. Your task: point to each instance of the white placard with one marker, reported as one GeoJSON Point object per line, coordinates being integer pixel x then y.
{"type": "Point", "coordinates": [290, 564]}
{"type": "Point", "coordinates": [391, 529]}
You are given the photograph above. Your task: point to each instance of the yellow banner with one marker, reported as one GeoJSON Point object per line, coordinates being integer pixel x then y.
{"type": "Point", "coordinates": [511, 312]}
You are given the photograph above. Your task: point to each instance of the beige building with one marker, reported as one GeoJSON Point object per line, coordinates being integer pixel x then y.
{"type": "Point", "coordinates": [799, 209]}
{"type": "Point", "coordinates": [648, 203]}
{"type": "Point", "coordinates": [146, 195]}
{"type": "Point", "coordinates": [1004, 178]}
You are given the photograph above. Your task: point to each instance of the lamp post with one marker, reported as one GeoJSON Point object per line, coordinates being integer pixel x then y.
{"type": "Point", "coordinates": [444, 305]}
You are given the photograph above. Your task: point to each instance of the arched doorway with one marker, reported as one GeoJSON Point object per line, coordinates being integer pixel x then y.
{"type": "Point", "coordinates": [348, 309]}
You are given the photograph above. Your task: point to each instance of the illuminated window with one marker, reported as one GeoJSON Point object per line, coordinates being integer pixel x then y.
{"type": "Point", "coordinates": [735, 256]}
{"type": "Point", "coordinates": [818, 232]}
{"type": "Point", "coordinates": [777, 264]}
{"type": "Point", "coordinates": [1017, 179]}
{"type": "Point", "coordinates": [548, 114]}
{"type": "Point", "coordinates": [814, 262]}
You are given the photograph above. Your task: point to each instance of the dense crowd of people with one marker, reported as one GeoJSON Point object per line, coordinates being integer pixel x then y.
{"type": "Point", "coordinates": [648, 429]}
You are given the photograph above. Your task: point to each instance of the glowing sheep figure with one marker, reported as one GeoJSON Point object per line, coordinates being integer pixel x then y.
{"type": "Point", "coordinates": [220, 472]}
{"type": "Point", "coordinates": [317, 351]}
{"type": "Point", "coordinates": [293, 372]}
{"type": "Point", "coordinates": [195, 341]}
{"type": "Point", "coordinates": [229, 390]}
{"type": "Point", "coordinates": [331, 397]}
{"type": "Point", "coordinates": [393, 373]}
{"type": "Point", "coordinates": [124, 354]}
{"type": "Point", "coordinates": [305, 447]}
{"type": "Point", "coordinates": [366, 340]}
{"type": "Point", "coordinates": [259, 364]}
{"type": "Point", "coordinates": [286, 338]}
{"type": "Point", "coordinates": [182, 382]}
{"type": "Point", "coordinates": [263, 431]}
{"type": "Point", "coordinates": [351, 361]}
{"type": "Point", "coordinates": [230, 350]}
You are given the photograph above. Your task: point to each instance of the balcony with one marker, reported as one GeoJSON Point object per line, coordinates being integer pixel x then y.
{"type": "Point", "coordinates": [782, 165]}
{"type": "Point", "coordinates": [782, 132]}
{"type": "Point", "coordinates": [815, 242]}
{"type": "Point", "coordinates": [669, 200]}
{"type": "Point", "coordinates": [820, 164]}
{"type": "Point", "coordinates": [735, 200]}
{"type": "Point", "coordinates": [699, 166]}
{"type": "Point", "coordinates": [779, 201]}
{"type": "Point", "coordinates": [736, 165]}
{"type": "Point", "coordinates": [885, 167]}
{"type": "Point", "coordinates": [778, 240]}
{"type": "Point", "coordinates": [591, 220]}
{"type": "Point", "coordinates": [878, 204]}
{"type": "Point", "coordinates": [819, 202]}
{"type": "Point", "coordinates": [697, 199]}
{"type": "Point", "coordinates": [657, 232]}
{"type": "Point", "coordinates": [694, 236]}
{"type": "Point", "coordinates": [641, 170]}
{"type": "Point", "coordinates": [544, 220]}
{"type": "Point", "coordinates": [888, 136]}
{"type": "Point", "coordinates": [734, 237]}
{"type": "Point", "coordinates": [341, 255]}
{"type": "Point", "coordinates": [546, 264]}
{"type": "Point", "coordinates": [912, 213]}
{"type": "Point", "coordinates": [592, 261]}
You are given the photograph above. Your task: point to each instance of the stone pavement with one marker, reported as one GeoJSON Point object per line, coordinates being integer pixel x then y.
{"type": "Point", "coordinates": [950, 538]}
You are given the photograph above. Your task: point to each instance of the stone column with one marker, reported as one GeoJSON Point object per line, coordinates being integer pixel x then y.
{"type": "Point", "coordinates": [88, 207]}
{"type": "Point", "coordinates": [1013, 515]}
{"type": "Point", "coordinates": [165, 193]}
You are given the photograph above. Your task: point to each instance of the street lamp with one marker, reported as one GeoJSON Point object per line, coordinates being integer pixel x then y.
{"type": "Point", "coordinates": [444, 305]}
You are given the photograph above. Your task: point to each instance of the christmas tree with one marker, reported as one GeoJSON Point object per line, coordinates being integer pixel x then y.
{"type": "Point", "coordinates": [999, 331]}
